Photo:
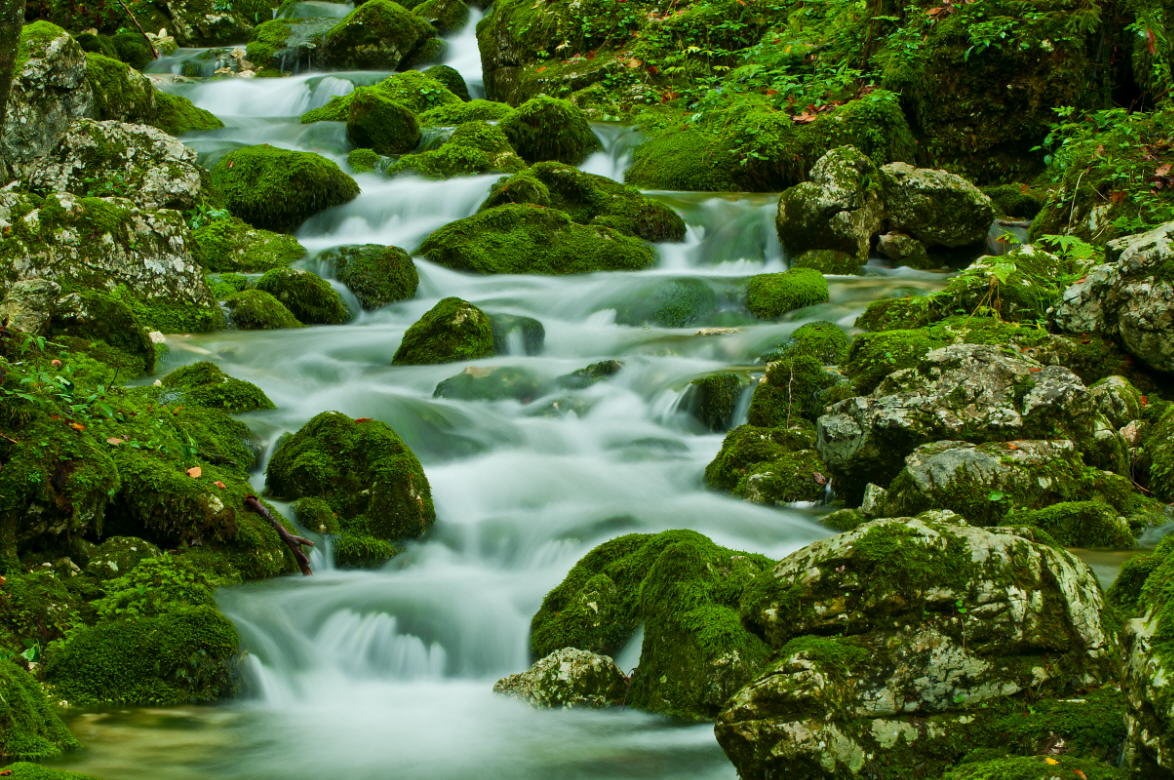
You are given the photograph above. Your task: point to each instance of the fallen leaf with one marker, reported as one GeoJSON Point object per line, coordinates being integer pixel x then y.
{"type": "Point", "coordinates": [1145, 400]}
{"type": "Point", "coordinates": [114, 441]}
{"type": "Point", "coordinates": [1012, 445]}
{"type": "Point", "coordinates": [1162, 170]}
{"type": "Point", "coordinates": [220, 484]}
{"type": "Point", "coordinates": [1151, 41]}
{"type": "Point", "coordinates": [1117, 196]}
{"type": "Point", "coordinates": [1080, 774]}
{"type": "Point", "coordinates": [57, 363]}
{"type": "Point", "coordinates": [820, 479]}
{"type": "Point", "coordinates": [539, 70]}
{"type": "Point", "coordinates": [803, 118]}
{"type": "Point", "coordinates": [1051, 761]}
{"type": "Point", "coordinates": [77, 426]}
{"type": "Point", "coordinates": [362, 419]}
{"type": "Point", "coordinates": [195, 471]}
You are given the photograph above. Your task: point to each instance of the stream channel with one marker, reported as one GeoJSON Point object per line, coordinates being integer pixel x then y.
{"type": "Point", "coordinates": [388, 673]}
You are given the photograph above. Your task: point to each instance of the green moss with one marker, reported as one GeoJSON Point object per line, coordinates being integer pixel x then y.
{"type": "Point", "coordinates": [36, 608]}
{"type": "Point", "coordinates": [117, 93]}
{"type": "Point", "coordinates": [530, 239]}
{"type": "Point", "coordinates": [769, 465]}
{"type": "Point", "coordinates": [452, 330]}
{"type": "Point", "coordinates": [363, 470]}
{"type": "Point", "coordinates": [363, 160]}
{"type": "Point", "coordinates": [1077, 524]}
{"type": "Point", "coordinates": [474, 147]}
{"type": "Point", "coordinates": [308, 296]}
{"type": "Point", "coordinates": [224, 285]}
{"type": "Point", "coordinates": [1019, 201]}
{"type": "Point", "coordinates": [315, 514]}
{"type": "Point", "coordinates": [844, 519]}
{"type": "Point", "coordinates": [278, 189]}
{"type": "Point", "coordinates": [683, 159]}
{"type": "Point", "coordinates": [713, 399]}
{"type": "Point", "coordinates": [377, 35]}
{"type": "Point", "coordinates": [205, 384]}
{"type": "Point", "coordinates": [545, 128]}
{"type": "Point", "coordinates": [230, 244]}
{"type": "Point", "coordinates": [1125, 592]}
{"type": "Point", "coordinates": [133, 49]}
{"type": "Point", "coordinates": [683, 589]}
{"type": "Point", "coordinates": [1019, 286]}
{"type": "Point", "coordinates": [449, 76]}
{"type": "Point", "coordinates": [824, 341]}
{"type": "Point", "coordinates": [828, 261]}
{"type": "Point", "coordinates": [451, 114]}
{"type": "Point", "coordinates": [413, 90]}
{"type": "Point", "coordinates": [33, 40]}
{"type": "Point", "coordinates": [444, 15]}
{"type": "Point", "coordinates": [377, 275]}
{"type": "Point", "coordinates": [29, 725]}
{"type": "Point", "coordinates": [792, 388]}
{"type": "Point", "coordinates": [769, 296]}
{"type": "Point", "coordinates": [896, 313]}
{"type": "Point", "coordinates": [258, 310]}
{"type": "Point", "coordinates": [377, 122]}
{"type": "Point", "coordinates": [873, 356]}
{"type": "Point", "coordinates": [1158, 453]}
{"type": "Point", "coordinates": [154, 587]}
{"type": "Point", "coordinates": [177, 115]}
{"type": "Point", "coordinates": [183, 656]}
{"type": "Point", "coordinates": [1035, 768]}
{"type": "Point", "coordinates": [94, 318]}
{"type": "Point", "coordinates": [269, 42]}
{"type": "Point", "coordinates": [117, 555]}
{"type": "Point", "coordinates": [25, 771]}
{"type": "Point", "coordinates": [352, 551]}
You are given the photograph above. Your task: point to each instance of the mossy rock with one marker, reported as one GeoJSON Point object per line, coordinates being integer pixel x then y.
{"type": "Point", "coordinates": [491, 384]}
{"type": "Point", "coordinates": [182, 657]}
{"type": "Point", "coordinates": [88, 319]}
{"type": "Point", "coordinates": [825, 341]}
{"type": "Point", "coordinates": [712, 400]}
{"type": "Point", "coordinates": [224, 285]}
{"type": "Point", "coordinates": [769, 296]}
{"type": "Point", "coordinates": [363, 160]}
{"type": "Point", "coordinates": [1035, 768]}
{"type": "Point", "coordinates": [376, 274]}
{"type": "Point", "coordinates": [448, 75]}
{"type": "Point", "coordinates": [354, 551]}
{"type": "Point", "coordinates": [1158, 450]}
{"type": "Point", "coordinates": [258, 310]}
{"type": "Point", "coordinates": [118, 555]}
{"type": "Point", "coordinates": [133, 49]}
{"type": "Point", "coordinates": [120, 92]}
{"type": "Point", "coordinates": [529, 239]}
{"type": "Point", "coordinates": [769, 465]}
{"type": "Point", "coordinates": [446, 16]}
{"type": "Point", "coordinates": [510, 330]}
{"type": "Point", "coordinates": [377, 122]}
{"type": "Point", "coordinates": [377, 35]}
{"type": "Point", "coordinates": [231, 244]}
{"type": "Point", "coordinates": [452, 114]}
{"type": "Point", "coordinates": [1018, 201]}
{"type": "Point", "coordinates": [668, 303]}
{"type": "Point", "coordinates": [450, 331]}
{"type": "Point", "coordinates": [308, 296]}
{"type": "Point", "coordinates": [684, 590]}
{"type": "Point", "coordinates": [897, 314]}
{"type": "Point", "coordinates": [411, 89]}
{"type": "Point", "coordinates": [792, 388]}
{"type": "Point", "coordinates": [38, 608]}
{"type": "Point", "coordinates": [278, 189]}
{"type": "Point", "coordinates": [828, 261]}
{"type": "Point", "coordinates": [474, 147]}
{"type": "Point", "coordinates": [204, 384]}
{"type": "Point", "coordinates": [315, 514]}
{"type": "Point", "coordinates": [29, 725]}
{"type": "Point", "coordinates": [545, 128]}
{"type": "Point", "coordinates": [362, 469]}
{"type": "Point", "coordinates": [1077, 524]}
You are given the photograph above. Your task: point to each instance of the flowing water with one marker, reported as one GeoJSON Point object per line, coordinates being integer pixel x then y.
{"type": "Point", "coordinates": [375, 674]}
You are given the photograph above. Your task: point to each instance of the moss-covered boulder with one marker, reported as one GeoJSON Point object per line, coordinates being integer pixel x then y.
{"type": "Point", "coordinates": [203, 383]}
{"type": "Point", "coordinates": [937, 208]}
{"type": "Point", "coordinates": [377, 35]}
{"type": "Point", "coordinates": [308, 296]}
{"type": "Point", "coordinates": [792, 388]}
{"type": "Point", "coordinates": [860, 621]}
{"type": "Point", "coordinates": [29, 725]}
{"type": "Point", "coordinates": [376, 274]}
{"type": "Point", "coordinates": [183, 656]}
{"type": "Point", "coordinates": [530, 239]}
{"type": "Point", "coordinates": [1035, 768]}
{"type": "Point", "coordinates": [1158, 457]}
{"type": "Point", "coordinates": [177, 115]}
{"type": "Point", "coordinates": [377, 122]}
{"type": "Point", "coordinates": [713, 400]}
{"type": "Point", "coordinates": [684, 590]}
{"type": "Point", "coordinates": [769, 465]}
{"type": "Point", "coordinates": [903, 249]}
{"type": "Point", "coordinates": [117, 555]}
{"type": "Point", "coordinates": [411, 89]}
{"type": "Point", "coordinates": [258, 310]}
{"type": "Point", "coordinates": [446, 16]}
{"type": "Point", "coordinates": [229, 244]}
{"type": "Point", "coordinates": [359, 551]}
{"type": "Point", "coordinates": [590, 200]}
{"type": "Point", "coordinates": [120, 92]}
{"type": "Point", "coordinates": [451, 330]}
{"type": "Point", "coordinates": [838, 209]}
{"type": "Point", "coordinates": [278, 189]}
{"type": "Point", "coordinates": [546, 128]}
{"type": "Point", "coordinates": [452, 114]}
{"type": "Point", "coordinates": [104, 327]}
{"type": "Point", "coordinates": [474, 147]}
{"type": "Point", "coordinates": [568, 678]}
{"type": "Point", "coordinates": [824, 341]}
{"type": "Point", "coordinates": [1077, 524]}
{"type": "Point", "coordinates": [1021, 285]}
{"type": "Point", "coordinates": [769, 296]}
{"type": "Point", "coordinates": [448, 75]}
{"type": "Point", "coordinates": [362, 469]}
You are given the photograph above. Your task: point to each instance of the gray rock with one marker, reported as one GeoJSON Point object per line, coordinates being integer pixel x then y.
{"type": "Point", "coordinates": [48, 92]}
{"type": "Point", "coordinates": [568, 678]}
{"type": "Point", "coordinates": [1130, 298]}
{"type": "Point", "coordinates": [935, 207]}
{"type": "Point", "coordinates": [903, 249]}
{"type": "Point", "coordinates": [878, 656]}
{"type": "Point", "coordinates": [1150, 713]}
{"type": "Point", "coordinates": [28, 305]}
{"type": "Point", "coordinates": [151, 168]}
{"type": "Point", "coordinates": [840, 208]}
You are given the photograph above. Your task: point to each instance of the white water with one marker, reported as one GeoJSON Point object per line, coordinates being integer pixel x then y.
{"type": "Point", "coordinates": [388, 673]}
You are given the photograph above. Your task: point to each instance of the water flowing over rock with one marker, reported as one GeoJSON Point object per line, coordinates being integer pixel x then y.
{"type": "Point", "coordinates": [898, 638]}
{"type": "Point", "coordinates": [1129, 298]}
{"type": "Point", "coordinates": [568, 678]}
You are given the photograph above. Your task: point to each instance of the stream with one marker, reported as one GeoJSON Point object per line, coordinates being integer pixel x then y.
{"type": "Point", "coordinates": [373, 674]}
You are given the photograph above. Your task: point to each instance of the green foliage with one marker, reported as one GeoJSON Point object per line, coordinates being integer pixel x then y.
{"type": "Point", "coordinates": [29, 725]}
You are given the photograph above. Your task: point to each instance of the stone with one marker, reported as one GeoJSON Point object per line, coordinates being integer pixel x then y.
{"type": "Point", "coordinates": [28, 305]}
{"type": "Point", "coordinates": [903, 249]}
{"type": "Point", "coordinates": [568, 678]}
{"type": "Point", "coordinates": [937, 208]}
{"type": "Point", "coordinates": [840, 208]}
{"type": "Point", "coordinates": [451, 330]}
{"type": "Point", "coordinates": [1129, 298]}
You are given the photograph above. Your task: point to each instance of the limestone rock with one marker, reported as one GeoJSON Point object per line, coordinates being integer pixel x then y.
{"type": "Point", "coordinates": [568, 678]}
{"type": "Point", "coordinates": [840, 208]}
{"type": "Point", "coordinates": [1130, 298]}
{"type": "Point", "coordinates": [935, 207]}
{"type": "Point", "coordinates": [145, 165]}
{"type": "Point", "coordinates": [28, 305]}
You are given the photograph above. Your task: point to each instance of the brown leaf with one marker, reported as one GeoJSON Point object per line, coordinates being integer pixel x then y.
{"type": "Point", "coordinates": [77, 426]}
{"type": "Point", "coordinates": [195, 471]}
{"type": "Point", "coordinates": [804, 118]}
{"type": "Point", "coordinates": [362, 419]}
{"type": "Point", "coordinates": [220, 484]}
{"type": "Point", "coordinates": [113, 440]}
{"type": "Point", "coordinates": [1117, 197]}
{"type": "Point", "coordinates": [57, 363]}
{"type": "Point", "coordinates": [820, 479]}
{"type": "Point", "coordinates": [1162, 170]}
{"type": "Point", "coordinates": [1151, 41]}
{"type": "Point", "coordinates": [1034, 370]}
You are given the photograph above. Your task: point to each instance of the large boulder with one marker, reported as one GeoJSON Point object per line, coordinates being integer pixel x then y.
{"type": "Point", "coordinates": [377, 35]}
{"type": "Point", "coordinates": [49, 90]}
{"type": "Point", "coordinates": [769, 465]}
{"type": "Point", "coordinates": [375, 121]}
{"type": "Point", "coordinates": [568, 678]}
{"type": "Point", "coordinates": [545, 128]}
{"type": "Point", "coordinates": [376, 274]}
{"type": "Point", "coordinates": [451, 330]}
{"type": "Point", "coordinates": [937, 208]}
{"type": "Point", "coordinates": [147, 166]}
{"type": "Point", "coordinates": [839, 209]}
{"type": "Point", "coordinates": [975, 392]}
{"type": "Point", "coordinates": [1129, 298]}
{"type": "Point", "coordinates": [362, 469]}
{"type": "Point", "coordinates": [897, 641]}
{"type": "Point", "coordinates": [772, 295]}
{"type": "Point", "coordinates": [311, 298]}
{"type": "Point", "coordinates": [277, 188]}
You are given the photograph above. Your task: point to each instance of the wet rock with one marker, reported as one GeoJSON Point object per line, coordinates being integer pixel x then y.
{"type": "Point", "coordinates": [568, 678]}
{"type": "Point", "coordinates": [903, 249]}
{"type": "Point", "coordinates": [377, 35]}
{"type": "Point", "coordinates": [258, 310]}
{"type": "Point", "coordinates": [120, 92]}
{"type": "Point", "coordinates": [308, 296]}
{"type": "Point", "coordinates": [894, 640]}
{"type": "Point", "coordinates": [769, 465]}
{"type": "Point", "coordinates": [1129, 298]}
{"type": "Point", "coordinates": [49, 91]}
{"type": "Point", "coordinates": [499, 383]}
{"type": "Point", "coordinates": [511, 331]}
{"type": "Point", "coordinates": [769, 296]}
{"type": "Point", "coordinates": [147, 166]}
{"type": "Point", "coordinates": [545, 128]}
{"type": "Point", "coordinates": [937, 208]}
{"type": "Point", "coordinates": [451, 330]}
{"type": "Point", "coordinates": [377, 122]}
{"type": "Point", "coordinates": [376, 274]}
{"type": "Point", "coordinates": [713, 400]}
{"type": "Point", "coordinates": [840, 208]}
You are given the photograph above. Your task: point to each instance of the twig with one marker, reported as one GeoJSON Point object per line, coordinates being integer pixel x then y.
{"type": "Point", "coordinates": [294, 543]}
{"type": "Point", "coordinates": [147, 38]}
